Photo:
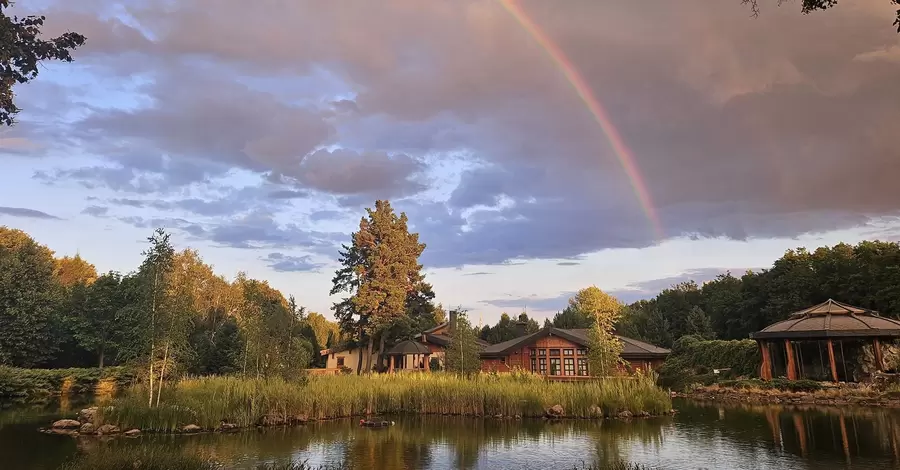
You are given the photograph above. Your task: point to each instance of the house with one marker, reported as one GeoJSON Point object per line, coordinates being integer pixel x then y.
{"type": "Point", "coordinates": [345, 356]}
{"type": "Point", "coordinates": [438, 338]}
{"type": "Point", "coordinates": [561, 354]}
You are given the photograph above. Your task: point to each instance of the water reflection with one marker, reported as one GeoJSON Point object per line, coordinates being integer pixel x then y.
{"type": "Point", "coordinates": [700, 436]}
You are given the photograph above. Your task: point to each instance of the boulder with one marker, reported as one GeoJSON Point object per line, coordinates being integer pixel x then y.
{"type": "Point", "coordinates": [66, 424]}
{"type": "Point", "coordinates": [87, 428]}
{"type": "Point", "coordinates": [271, 420]}
{"type": "Point", "coordinates": [556, 411]}
{"type": "Point", "coordinates": [643, 414]}
{"type": "Point", "coordinates": [191, 428]}
{"type": "Point", "coordinates": [226, 427]}
{"type": "Point", "coordinates": [108, 429]}
{"type": "Point", "coordinates": [595, 412]}
{"type": "Point", "coordinates": [133, 432]}
{"type": "Point", "coordinates": [87, 415]}
{"type": "Point", "coordinates": [624, 415]}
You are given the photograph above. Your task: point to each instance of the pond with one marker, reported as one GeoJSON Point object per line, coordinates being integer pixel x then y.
{"type": "Point", "coordinates": [699, 436]}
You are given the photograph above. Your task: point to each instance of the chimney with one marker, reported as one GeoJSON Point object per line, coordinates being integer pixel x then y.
{"type": "Point", "coordinates": [519, 328]}
{"type": "Point", "coordinates": [452, 320]}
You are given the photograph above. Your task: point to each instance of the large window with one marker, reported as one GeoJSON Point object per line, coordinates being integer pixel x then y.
{"type": "Point", "coordinates": [554, 366]}
{"type": "Point", "coordinates": [543, 363]}
{"type": "Point", "coordinates": [554, 353]}
{"type": "Point", "coordinates": [582, 366]}
{"type": "Point", "coordinates": [542, 352]}
{"type": "Point", "coordinates": [582, 352]}
{"type": "Point", "coordinates": [534, 368]}
{"type": "Point", "coordinates": [568, 366]}
{"type": "Point", "coordinates": [533, 352]}
{"type": "Point", "coordinates": [568, 352]}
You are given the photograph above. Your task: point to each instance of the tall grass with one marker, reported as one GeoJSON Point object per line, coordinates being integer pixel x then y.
{"type": "Point", "coordinates": [210, 400]}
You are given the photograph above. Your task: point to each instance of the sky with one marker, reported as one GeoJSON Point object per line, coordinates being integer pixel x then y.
{"type": "Point", "coordinates": [537, 147]}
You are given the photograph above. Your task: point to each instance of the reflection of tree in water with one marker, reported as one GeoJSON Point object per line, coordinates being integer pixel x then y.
{"type": "Point", "coordinates": [611, 436]}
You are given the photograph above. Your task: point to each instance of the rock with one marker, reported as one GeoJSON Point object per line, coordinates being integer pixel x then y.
{"type": "Point", "coordinates": [595, 412]}
{"type": "Point", "coordinates": [299, 419]}
{"type": "Point", "coordinates": [643, 414]}
{"type": "Point", "coordinates": [227, 427]}
{"type": "Point", "coordinates": [191, 428]}
{"type": "Point", "coordinates": [108, 429]}
{"type": "Point", "coordinates": [624, 415]}
{"type": "Point", "coordinates": [498, 416]}
{"type": "Point", "coordinates": [87, 428]}
{"type": "Point", "coordinates": [518, 416]}
{"type": "Point", "coordinates": [87, 415]}
{"type": "Point", "coordinates": [66, 424]}
{"type": "Point", "coordinates": [133, 432]}
{"type": "Point", "coordinates": [271, 420]}
{"type": "Point", "coordinates": [556, 411]}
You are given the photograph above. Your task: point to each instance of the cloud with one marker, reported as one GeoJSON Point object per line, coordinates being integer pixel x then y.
{"type": "Point", "coordinates": [96, 211]}
{"type": "Point", "coordinates": [26, 213]}
{"type": "Point", "coordinates": [735, 127]}
{"type": "Point", "coordinates": [568, 263]}
{"type": "Point", "coordinates": [479, 273]}
{"type": "Point", "coordinates": [540, 304]}
{"type": "Point", "coordinates": [285, 263]}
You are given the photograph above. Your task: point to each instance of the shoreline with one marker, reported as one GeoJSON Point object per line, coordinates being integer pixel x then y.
{"type": "Point", "coordinates": [838, 397]}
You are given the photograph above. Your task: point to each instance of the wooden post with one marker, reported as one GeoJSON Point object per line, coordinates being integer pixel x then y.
{"type": "Point", "coordinates": [834, 375]}
{"type": "Point", "coordinates": [427, 363]}
{"type": "Point", "coordinates": [391, 369]}
{"type": "Point", "coordinates": [791, 367]}
{"type": "Point", "coordinates": [765, 372]}
{"type": "Point", "coordinates": [879, 360]}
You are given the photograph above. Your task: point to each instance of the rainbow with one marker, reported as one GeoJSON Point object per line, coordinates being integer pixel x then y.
{"type": "Point", "coordinates": [621, 151]}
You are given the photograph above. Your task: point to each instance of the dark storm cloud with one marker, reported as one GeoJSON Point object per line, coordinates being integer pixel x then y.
{"type": "Point", "coordinates": [26, 213]}
{"type": "Point", "coordinates": [740, 127]}
{"type": "Point", "coordinates": [285, 263]}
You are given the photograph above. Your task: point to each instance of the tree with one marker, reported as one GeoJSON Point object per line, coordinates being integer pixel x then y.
{"type": "Point", "coordinates": [70, 271]}
{"type": "Point", "coordinates": [463, 353]}
{"type": "Point", "coordinates": [571, 318]}
{"type": "Point", "coordinates": [95, 326]}
{"type": "Point", "coordinates": [604, 347]}
{"type": "Point", "coordinates": [381, 276]}
{"type": "Point", "coordinates": [30, 298]}
{"type": "Point", "coordinates": [22, 50]}
{"type": "Point", "coordinates": [809, 6]}
{"type": "Point", "coordinates": [699, 324]}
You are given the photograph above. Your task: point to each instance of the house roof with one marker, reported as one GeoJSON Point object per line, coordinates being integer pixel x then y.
{"type": "Point", "coordinates": [632, 347]}
{"type": "Point", "coordinates": [408, 347]}
{"type": "Point", "coordinates": [831, 319]}
{"type": "Point", "coordinates": [444, 340]}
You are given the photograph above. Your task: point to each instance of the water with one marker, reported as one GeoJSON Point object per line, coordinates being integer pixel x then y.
{"type": "Point", "coordinates": [700, 436]}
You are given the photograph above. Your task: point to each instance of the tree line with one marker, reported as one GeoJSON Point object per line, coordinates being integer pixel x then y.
{"type": "Point", "coordinates": [171, 316]}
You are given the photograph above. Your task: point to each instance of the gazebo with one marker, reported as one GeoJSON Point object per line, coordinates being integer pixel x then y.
{"type": "Point", "coordinates": [831, 327]}
{"type": "Point", "coordinates": [409, 355]}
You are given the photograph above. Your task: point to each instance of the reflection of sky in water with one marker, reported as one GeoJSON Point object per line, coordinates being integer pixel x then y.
{"type": "Point", "coordinates": [712, 437]}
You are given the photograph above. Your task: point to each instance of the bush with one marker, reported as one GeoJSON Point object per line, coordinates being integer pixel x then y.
{"type": "Point", "coordinates": [37, 385]}
{"type": "Point", "coordinates": [692, 361]}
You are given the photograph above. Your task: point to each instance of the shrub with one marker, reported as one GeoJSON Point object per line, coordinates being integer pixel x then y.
{"type": "Point", "coordinates": [692, 361]}
{"type": "Point", "coordinates": [36, 385]}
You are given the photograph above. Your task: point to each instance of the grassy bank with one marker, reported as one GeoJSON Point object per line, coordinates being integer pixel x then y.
{"type": "Point", "coordinates": [693, 361]}
{"type": "Point", "coordinates": [805, 392]}
{"type": "Point", "coordinates": [208, 401]}
{"type": "Point", "coordinates": [18, 386]}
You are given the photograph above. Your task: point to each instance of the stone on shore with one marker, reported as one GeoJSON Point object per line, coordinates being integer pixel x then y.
{"type": "Point", "coordinates": [595, 412]}
{"type": "Point", "coordinates": [271, 420]}
{"type": "Point", "coordinates": [226, 427]}
{"type": "Point", "coordinates": [108, 429]}
{"type": "Point", "coordinates": [87, 428]}
{"type": "Point", "coordinates": [191, 428]}
{"type": "Point", "coordinates": [133, 432]}
{"type": "Point", "coordinates": [87, 415]}
{"type": "Point", "coordinates": [624, 415]}
{"type": "Point", "coordinates": [556, 411]}
{"type": "Point", "coordinates": [66, 424]}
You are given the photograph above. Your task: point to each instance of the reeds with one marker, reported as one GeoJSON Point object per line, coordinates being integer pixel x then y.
{"type": "Point", "coordinates": [209, 401]}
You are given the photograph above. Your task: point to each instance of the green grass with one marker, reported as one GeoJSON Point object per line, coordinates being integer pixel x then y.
{"type": "Point", "coordinates": [210, 400]}
{"type": "Point", "coordinates": [41, 385]}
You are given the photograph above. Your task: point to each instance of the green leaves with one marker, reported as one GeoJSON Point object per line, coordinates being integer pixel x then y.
{"type": "Point", "coordinates": [21, 50]}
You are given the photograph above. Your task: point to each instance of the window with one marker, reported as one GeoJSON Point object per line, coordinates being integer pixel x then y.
{"type": "Point", "coordinates": [568, 366]}
{"type": "Point", "coordinates": [554, 366]}
{"type": "Point", "coordinates": [542, 352]}
{"type": "Point", "coordinates": [568, 352]}
{"type": "Point", "coordinates": [554, 352]}
{"type": "Point", "coordinates": [582, 352]}
{"type": "Point", "coordinates": [503, 360]}
{"type": "Point", "coordinates": [543, 363]}
{"type": "Point", "coordinates": [534, 368]}
{"type": "Point", "coordinates": [582, 366]}
{"type": "Point", "coordinates": [533, 352]}
{"type": "Point", "coordinates": [340, 362]}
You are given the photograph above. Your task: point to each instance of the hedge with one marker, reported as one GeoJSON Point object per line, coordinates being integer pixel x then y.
{"type": "Point", "coordinates": [36, 385]}
{"type": "Point", "coordinates": [692, 361]}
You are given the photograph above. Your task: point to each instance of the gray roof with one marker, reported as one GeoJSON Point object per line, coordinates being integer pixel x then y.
{"type": "Point", "coordinates": [831, 319]}
{"type": "Point", "coordinates": [632, 347]}
{"type": "Point", "coordinates": [409, 347]}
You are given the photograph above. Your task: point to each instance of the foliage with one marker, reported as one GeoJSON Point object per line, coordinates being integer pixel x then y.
{"type": "Point", "coordinates": [382, 279]}
{"type": "Point", "coordinates": [604, 310]}
{"type": "Point", "coordinates": [507, 329]}
{"type": "Point", "coordinates": [809, 6]}
{"type": "Point", "coordinates": [864, 275]}
{"type": "Point", "coordinates": [571, 318]}
{"type": "Point", "coordinates": [71, 271]}
{"type": "Point", "coordinates": [779, 383]}
{"type": "Point", "coordinates": [208, 401]}
{"type": "Point", "coordinates": [30, 299]}
{"type": "Point", "coordinates": [37, 385]}
{"type": "Point", "coordinates": [94, 321]}
{"type": "Point", "coordinates": [462, 354]}
{"type": "Point", "coordinates": [693, 357]}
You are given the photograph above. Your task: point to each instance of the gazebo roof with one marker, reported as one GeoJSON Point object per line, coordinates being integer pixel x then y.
{"type": "Point", "coordinates": [831, 319]}
{"type": "Point", "coordinates": [408, 347]}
